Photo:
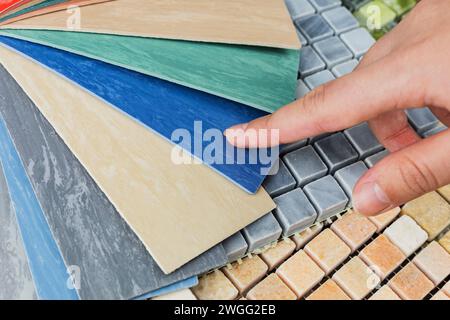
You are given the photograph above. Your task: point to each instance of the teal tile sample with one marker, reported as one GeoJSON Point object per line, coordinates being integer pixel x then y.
{"type": "Point", "coordinates": [16, 282]}
{"type": "Point", "coordinates": [261, 77]}
{"type": "Point", "coordinates": [85, 226]}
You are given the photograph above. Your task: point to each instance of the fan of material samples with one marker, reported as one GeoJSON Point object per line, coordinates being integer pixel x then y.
{"type": "Point", "coordinates": [97, 135]}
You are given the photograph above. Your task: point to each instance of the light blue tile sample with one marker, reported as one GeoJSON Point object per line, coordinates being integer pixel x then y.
{"type": "Point", "coordinates": [314, 28]}
{"type": "Point", "coordinates": [422, 119]}
{"type": "Point", "coordinates": [349, 176]}
{"type": "Point", "coordinates": [332, 51]}
{"type": "Point", "coordinates": [358, 40]}
{"type": "Point", "coordinates": [344, 68]}
{"type": "Point", "coordinates": [320, 78]}
{"type": "Point", "coordinates": [280, 182]}
{"type": "Point", "coordinates": [299, 8]}
{"type": "Point", "coordinates": [322, 5]}
{"type": "Point", "coordinates": [16, 282]}
{"type": "Point", "coordinates": [46, 263]}
{"type": "Point", "coordinates": [235, 246]}
{"type": "Point", "coordinates": [262, 232]}
{"type": "Point", "coordinates": [310, 62]}
{"type": "Point", "coordinates": [162, 106]}
{"type": "Point", "coordinates": [340, 19]}
{"type": "Point", "coordinates": [88, 230]}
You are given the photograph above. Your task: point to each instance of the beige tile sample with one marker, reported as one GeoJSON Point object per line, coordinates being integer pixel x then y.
{"type": "Point", "coordinates": [328, 291]}
{"type": "Point", "coordinates": [185, 294]}
{"type": "Point", "coordinates": [445, 241]}
{"type": "Point", "coordinates": [247, 273]}
{"type": "Point", "coordinates": [434, 261]}
{"type": "Point", "coordinates": [385, 293]}
{"type": "Point", "coordinates": [410, 283]}
{"type": "Point", "coordinates": [167, 205]}
{"type": "Point", "coordinates": [381, 221]}
{"type": "Point", "coordinates": [249, 22]}
{"type": "Point", "coordinates": [271, 288]}
{"type": "Point", "coordinates": [215, 286]}
{"type": "Point", "coordinates": [431, 212]}
{"type": "Point", "coordinates": [275, 256]}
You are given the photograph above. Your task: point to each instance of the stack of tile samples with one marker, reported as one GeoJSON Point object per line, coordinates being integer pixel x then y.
{"type": "Point", "coordinates": [92, 94]}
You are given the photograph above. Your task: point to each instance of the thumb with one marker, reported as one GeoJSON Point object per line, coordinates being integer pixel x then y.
{"type": "Point", "coordinates": [404, 175]}
{"type": "Point", "coordinates": [339, 104]}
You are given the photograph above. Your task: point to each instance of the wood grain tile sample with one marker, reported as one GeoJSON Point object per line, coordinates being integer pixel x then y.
{"type": "Point", "coordinates": [40, 247]}
{"type": "Point", "coordinates": [43, 7]}
{"type": "Point", "coordinates": [15, 278]}
{"type": "Point", "coordinates": [177, 113]}
{"type": "Point", "coordinates": [265, 78]}
{"type": "Point", "coordinates": [7, 4]}
{"type": "Point", "coordinates": [88, 230]}
{"type": "Point", "coordinates": [178, 211]}
{"type": "Point", "coordinates": [20, 5]}
{"type": "Point", "coordinates": [234, 21]}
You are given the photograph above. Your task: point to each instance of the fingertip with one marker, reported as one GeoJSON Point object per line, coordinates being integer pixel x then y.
{"type": "Point", "coordinates": [370, 199]}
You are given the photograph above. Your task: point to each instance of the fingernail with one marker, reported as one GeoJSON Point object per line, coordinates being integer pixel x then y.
{"type": "Point", "coordinates": [370, 199]}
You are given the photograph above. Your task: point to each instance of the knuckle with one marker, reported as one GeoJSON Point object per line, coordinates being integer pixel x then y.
{"type": "Point", "coordinates": [416, 179]}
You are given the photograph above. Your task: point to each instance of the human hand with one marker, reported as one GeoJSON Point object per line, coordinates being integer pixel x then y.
{"type": "Point", "coordinates": [409, 67]}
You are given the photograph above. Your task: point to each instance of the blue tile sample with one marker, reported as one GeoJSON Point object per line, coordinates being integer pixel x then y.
{"type": "Point", "coordinates": [16, 282]}
{"type": "Point", "coordinates": [184, 284]}
{"type": "Point", "coordinates": [162, 106]}
{"type": "Point", "coordinates": [46, 263]}
{"type": "Point", "coordinates": [88, 230]}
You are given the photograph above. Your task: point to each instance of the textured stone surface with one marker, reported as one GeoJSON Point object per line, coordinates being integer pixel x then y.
{"type": "Point", "coordinates": [406, 234]}
{"type": "Point", "coordinates": [354, 228]}
{"type": "Point", "coordinates": [382, 256]}
{"type": "Point", "coordinates": [328, 291]}
{"type": "Point", "coordinates": [434, 261]}
{"type": "Point", "coordinates": [246, 274]}
{"type": "Point", "coordinates": [300, 273]}
{"type": "Point", "coordinates": [304, 237]}
{"type": "Point", "coordinates": [381, 221]}
{"type": "Point", "coordinates": [185, 294]}
{"type": "Point", "coordinates": [410, 283]}
{"type": "Point", "coordinates": [275, 256]}
{"type": "Point", "coordinates": [385, 293]}
{"type": "Point", "coordinates": [445, 241]}
{"type": "Point", "coordinates": [431, 212]}
{"type": "Point", "coordinates": [356, 279]}
{"type": "Point", "coordinates": [215, 286]}
{"type": "Point", "coordinates": [271, 288]}
{"type": "Point", "coordinates": [327, 250]}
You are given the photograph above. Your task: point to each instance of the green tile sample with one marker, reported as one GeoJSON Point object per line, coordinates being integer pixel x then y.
{"type": "Point", "coordinates": [400, 6]}
{"type": "Point", "coordinates": [265, 78]}
{"type": "Point", "coordinates": [375, 15]}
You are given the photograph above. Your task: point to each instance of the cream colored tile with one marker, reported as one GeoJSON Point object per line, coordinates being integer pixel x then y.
{"type": "Point", "coordinates": [356, 279]}
{"type": "Point", "coordinates": [271, 288]}
{"type": "Point", "coordinates": [440, 295]}
{"type": "Point", "coordinates": [354, 228]}
{"type": "Point", "coordinates": [445, 192]}
{"type": "Point", "coordinates": [215, 286]}
{"type": "Point", "coordinates": [406, 234]}
{"type": "Point", "coordinates": [246, 274]}
{"type": "Point", "coordinates": [275, 256]}
{"type": "Point", "coordinates": [300, 273]}
{"type": "Point", "coordinates": [94, 131]}
{"type": "Point", "coordinates": [327, 250]}
{"type": "Point", "coordinates": [385, 293]}
{"type": "Point", "coordinates": [431, 212]}
{"type": "Point", "coordinates": [434, 261]}
{"type": "Point", "coordinates": [445, 241]}
{"type": "Point", "coordinates": [410, 283]}
{"type": "Point", "coordinates": [328, 291]}
{"type": "Point", "coordinates": [198, 20]}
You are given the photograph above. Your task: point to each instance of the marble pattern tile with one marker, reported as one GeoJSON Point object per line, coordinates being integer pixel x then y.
{"type": "Point", "coordinates": [171, 110]}
{"type": "Point", "coordinates": [229, 71]}
{"type": "Point", "coordinates": [15, 278]}
{"type": "Point", "coordinates": [79, 213]}
{"type": "Point", "coordinates": [162, 191]}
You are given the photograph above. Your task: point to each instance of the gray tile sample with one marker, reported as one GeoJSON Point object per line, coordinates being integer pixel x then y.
{"type": "Point", "coordinates": [294, 212]}
{"type": "Point", "coordinates": [302, 89]}
{"type": "Point", "coordinates": [332, 51]}
{"type": "Point", "coordinates": [289, 147]}
{"type": "Point", "coordinates": [358, 40]}
{"type": "Point", "coordinates": [340, 19]}
{"type": "Point", "coordinates": [434, 131]}
{"type": "Point", "coordinates": [316, 80]}
{"type": "Point", "coordinates": [302, 38]}
{"type": "Point", "coordinates": [355, 4]}
{"type": "Point", "coordinates": [299, 8]}
{"type": "Point", "coordinates": [327, 197]}
{"type": "Point", "coordinates": [336, 151]}
{"type": "Point", "coordinates": [235, 246]}
{"type": "Point", "coordinates": [314, 28]}
{"type": "Point", "coordinates": [422, 119]}
{"type": "Point", "coordinates": [262, 232]}
{"type": "Point", "coordinates": [280, 182]}
{"type": "Point", "coordinates": [16, 282]}
{"type": "Point", "coordinates": [310, 62]}
{"type": "Point", "coordinates": [88, 230]}
{"type": "Point", "coordinates": [373, 160]}
{"type": "Point", "coordinates": [305, 165]}
{"type": "Point", "coordinates": [318, 137]}
{"type": "Point", "coordinates": [349, 176]}
{"type": "Point", "coordinates": [363, 140]}
{"type": "Point", "coordinates": [322, 5]}
{"type": "Point", "coordinates": [344, 68]}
